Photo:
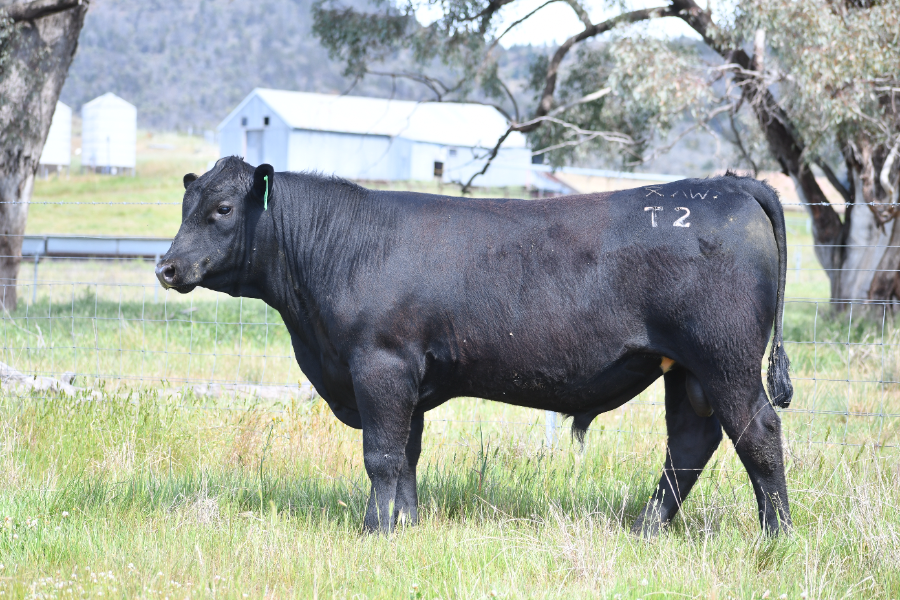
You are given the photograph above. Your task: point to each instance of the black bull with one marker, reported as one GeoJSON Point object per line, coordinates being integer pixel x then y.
{"type": "Point", "coordinates": [397, 302]}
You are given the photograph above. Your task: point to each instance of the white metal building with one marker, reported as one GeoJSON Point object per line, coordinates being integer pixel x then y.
{"type": "Point", "coordinates": [372, 138]}
{"type": "Point", "coordinates": [57, 152]}
{"type": "Point", "coordinates": [109, 135]}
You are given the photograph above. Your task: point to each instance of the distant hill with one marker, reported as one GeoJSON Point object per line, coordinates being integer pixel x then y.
{"type": "Point", "coordinates": [186, 64]}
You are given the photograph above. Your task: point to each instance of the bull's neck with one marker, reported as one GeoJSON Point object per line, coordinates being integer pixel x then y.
{"type": "Point", "coordinates": [311, 243]}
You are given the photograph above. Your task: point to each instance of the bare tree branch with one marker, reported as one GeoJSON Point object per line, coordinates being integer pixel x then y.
{"type": "Point", "coordinates": [467, 187]}
{"type": "Point", "coordinates": [610, 136]}
{"type": "Point", "coordinates": [581, 12]}
{"type": "Point", "coordinates": [512, 99]}
{"type": "Point", "coordinates": [27, 11]}
{"type": "Point", "coordinates": [487, 13]}
{"type": "Point", "coordinates": [885, 177]}
{"type": "Point", "coordinates": [699, 123]}
{"type": "Point", "coordinates": [441, 89]}
{"type": "Point", "coordinates": [515, 24]}
{"type": "Point", "coordinates": [546, 102]}
{"type": "Point", "coordinates": [833, 179]}
{"type": "Point", "coordinates": [737, 137]}
{"type": "Point", "coordinates": [584, 99]}
{"type": "Point", "coordinates": [438, 87]}
{"type": "Point", "coordinates": [759, 51]}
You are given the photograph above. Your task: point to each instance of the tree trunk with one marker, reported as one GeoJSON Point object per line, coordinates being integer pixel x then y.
{"type": "Point", "coordinates": [35, 55]}
{"type": "Point", "coordinates": [879, 177]}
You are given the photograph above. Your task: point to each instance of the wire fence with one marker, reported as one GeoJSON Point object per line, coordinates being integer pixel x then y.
{"type": "Point", "coordinates": [103, 326]}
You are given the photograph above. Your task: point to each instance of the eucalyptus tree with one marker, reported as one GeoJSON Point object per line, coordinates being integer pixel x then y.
{"type": "Point", "coordinates": [37, 42]}
{"type": "Point", "coordinates": [796, 82]}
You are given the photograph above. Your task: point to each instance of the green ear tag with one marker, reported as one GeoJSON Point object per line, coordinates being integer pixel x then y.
{"type": "Point", "coordinates": [266, 196]}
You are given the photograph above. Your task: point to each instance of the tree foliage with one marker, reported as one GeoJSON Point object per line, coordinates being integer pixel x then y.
{"type": "Point", "coordinates": [835, 65]}
{"type": "Point", "coordinates": [651, 85]}
{"type": "Point", "coordinates": [793, 82]}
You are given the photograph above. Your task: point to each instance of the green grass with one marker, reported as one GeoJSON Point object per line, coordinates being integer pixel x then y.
{"type": "Point", "coordinates": [139, 495]}
{"type": "Point", "coordinates": [149, 491]}
{"type": "Point", "coordinates": [172, 495]}
{"type": "Point", "coordinates": [89, 204]}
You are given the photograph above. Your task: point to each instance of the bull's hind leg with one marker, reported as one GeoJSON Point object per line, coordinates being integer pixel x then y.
{"type": "Point", "coordinates": [407, 501]}
{"type": "Point", "coordinates": [755, 429]}
{"type": "Point", "coordinates": [692, 439]}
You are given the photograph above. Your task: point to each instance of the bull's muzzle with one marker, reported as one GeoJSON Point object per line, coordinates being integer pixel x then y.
{"type": "Point", "coordinates": [166, 273]}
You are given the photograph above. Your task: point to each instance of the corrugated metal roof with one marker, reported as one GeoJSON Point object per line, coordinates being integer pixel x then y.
{"type": "Point", "coordinates": [445, 123]}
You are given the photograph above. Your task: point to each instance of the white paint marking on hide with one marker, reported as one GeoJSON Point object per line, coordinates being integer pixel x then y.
{"type": "Point", "coordinates": [681, 220]}
{"type": "Point", "coordinates": [654, 191]}
{"type": "Point", "coordinates": [653, 210]}
{"type": "Point", "coordinates": [697, 195]}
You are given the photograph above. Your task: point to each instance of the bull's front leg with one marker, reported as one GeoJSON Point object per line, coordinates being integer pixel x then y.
{"type": "Point", "coordinates": [406, 509]}
{"type": "Point", "coordinates": [386, 394]}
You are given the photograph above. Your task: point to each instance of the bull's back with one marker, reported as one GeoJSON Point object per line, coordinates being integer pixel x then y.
{"type": "Point", "coordinates": [499, 263]}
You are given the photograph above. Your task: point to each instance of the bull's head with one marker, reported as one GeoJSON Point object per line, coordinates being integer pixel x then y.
{"type": "Point", "coordinates": [218, 211]}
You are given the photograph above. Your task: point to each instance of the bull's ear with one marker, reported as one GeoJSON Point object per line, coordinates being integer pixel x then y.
{"type": "Point", "coordinates": [263, 180]}
{"type": "Point", "coordinates": [189, 179]}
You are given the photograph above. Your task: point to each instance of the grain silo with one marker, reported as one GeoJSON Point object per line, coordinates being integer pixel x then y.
{"type": "Point", "coordinates": [109, 135]}
{"type": "Point", "coordinates": [57, 153]}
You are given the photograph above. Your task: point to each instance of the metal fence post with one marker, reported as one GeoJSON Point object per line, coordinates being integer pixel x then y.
{"type": "Point", "coordinates": [37, 257]}
{"type": "Point", "coordinates": [551, 429]}
{"type": "Point", "coordinates": [155, 287]}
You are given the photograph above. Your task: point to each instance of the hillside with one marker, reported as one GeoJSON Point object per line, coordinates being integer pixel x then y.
{"type": "Point", "coordinates": [186, 64]}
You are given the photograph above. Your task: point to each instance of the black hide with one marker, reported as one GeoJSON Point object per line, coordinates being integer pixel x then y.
{"type": "Point", "coordinates": [397, 302]}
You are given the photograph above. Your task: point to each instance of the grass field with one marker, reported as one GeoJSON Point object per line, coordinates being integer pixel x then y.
{"type": "Point", "coordinates": [147, 490]}
{"type": "Point", "coordinates": [141, 496]}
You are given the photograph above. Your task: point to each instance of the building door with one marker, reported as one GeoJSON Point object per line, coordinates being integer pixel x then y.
{"type": "Point", "coordinates": [254, 147]}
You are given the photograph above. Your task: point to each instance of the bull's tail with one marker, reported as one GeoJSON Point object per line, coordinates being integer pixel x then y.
{"type": "Point", "coordinates": [779, 382]}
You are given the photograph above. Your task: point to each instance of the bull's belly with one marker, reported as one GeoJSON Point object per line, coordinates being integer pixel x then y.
{"type": "Point", "coordinates": [561, 389]}
{"type": "Point", "coordinates": [605, 389]}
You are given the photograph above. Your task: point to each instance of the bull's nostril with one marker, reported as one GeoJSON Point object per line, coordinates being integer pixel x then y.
{"type": "Point", "coordinates": [169, 273]}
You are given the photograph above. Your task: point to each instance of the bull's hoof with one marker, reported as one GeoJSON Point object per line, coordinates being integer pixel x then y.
{"type": "Point", "coordinates": [404, 518]}
{"type": "Point", "coordinates": [646, 529]}
{"type": "Point", "coordinates": [649, 523]}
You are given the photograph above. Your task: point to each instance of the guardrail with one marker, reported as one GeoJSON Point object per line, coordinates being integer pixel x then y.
{"type": "Point", "coordinates": [91, 246]}
{"type": "Point", "coordinates": [78, 246]}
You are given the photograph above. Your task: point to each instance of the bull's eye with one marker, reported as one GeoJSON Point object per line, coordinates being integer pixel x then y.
{"type": "Point", "coordinates": [224, 209]}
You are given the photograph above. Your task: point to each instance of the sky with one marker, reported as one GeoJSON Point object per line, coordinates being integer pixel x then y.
{"type": "Point", "coordinates": [556, 22]}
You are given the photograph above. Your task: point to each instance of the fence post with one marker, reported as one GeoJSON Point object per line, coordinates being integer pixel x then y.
{"type": "Point", "coordinates": [551, 428]}
{"type": "Point", "coordinates": [37, 257]}
{"type": "Point", "coordinates": [155, 287]}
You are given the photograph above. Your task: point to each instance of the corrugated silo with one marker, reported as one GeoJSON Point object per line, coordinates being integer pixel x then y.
{"type": "Point", "coordinates": [109, 135]}
{"type": "Point", "coordinates": [57, 153]}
